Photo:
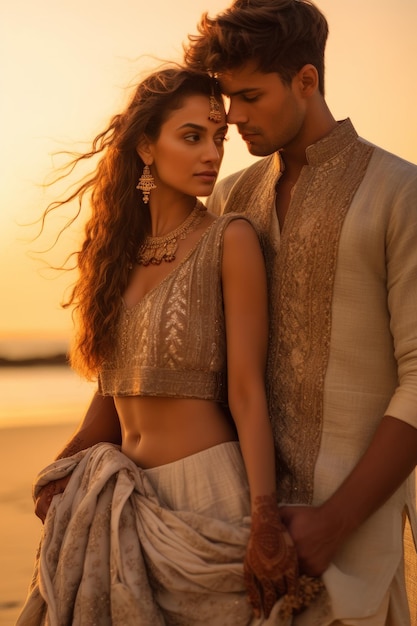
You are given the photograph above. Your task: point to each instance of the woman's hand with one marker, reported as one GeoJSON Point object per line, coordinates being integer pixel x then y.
{"type": "Point", "coordinates": [270, 567]}
{"type": "Point", "coordinates": [46, 494]}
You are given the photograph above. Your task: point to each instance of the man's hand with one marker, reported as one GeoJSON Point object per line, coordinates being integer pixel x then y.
{"type": "Point", "coordinates": [316, 536]}
{"type": "Point", "coordinates": [46, 494]}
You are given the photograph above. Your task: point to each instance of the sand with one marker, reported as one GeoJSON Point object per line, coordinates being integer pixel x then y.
{"type": "Point", "coordinates": [24, 451]}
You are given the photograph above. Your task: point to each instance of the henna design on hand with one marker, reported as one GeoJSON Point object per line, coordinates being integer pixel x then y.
{"type": "Point", "coordinates": [271, 566]}
{"type": "Point", "coordinates": [45, 495]}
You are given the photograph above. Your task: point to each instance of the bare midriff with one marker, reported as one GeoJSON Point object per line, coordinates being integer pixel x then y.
{"type": "Point", "coordinates": [156, 431]}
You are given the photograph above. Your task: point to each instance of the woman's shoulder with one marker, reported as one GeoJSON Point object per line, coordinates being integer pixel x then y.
{"type": "Point", "coordinates": [224, 221]}
{"type": "Point", "coordinates": [237, 225]}
{"type": "Point", "coordinates": [233, 228]}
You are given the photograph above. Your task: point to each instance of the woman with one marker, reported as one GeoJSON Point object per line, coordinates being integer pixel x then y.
{"type": "Point", "coordinates": [172, 525]}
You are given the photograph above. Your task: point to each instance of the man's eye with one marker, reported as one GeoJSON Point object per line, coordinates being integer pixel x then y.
{"type": "Point", "coordinates": [220, 139]}
{"type": "Point", "coordinates": [247, 98]}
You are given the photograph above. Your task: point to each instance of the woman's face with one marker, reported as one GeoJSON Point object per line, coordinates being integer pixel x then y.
{"type": "Point", "coordinates": [187, 155]}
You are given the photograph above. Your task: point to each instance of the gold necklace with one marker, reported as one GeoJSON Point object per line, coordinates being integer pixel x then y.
{"type": "Point", "coordinates": [154, 250]}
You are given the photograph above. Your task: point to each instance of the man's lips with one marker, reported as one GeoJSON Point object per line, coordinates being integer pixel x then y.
{"type": "Point", "coordinates": [247, 136]}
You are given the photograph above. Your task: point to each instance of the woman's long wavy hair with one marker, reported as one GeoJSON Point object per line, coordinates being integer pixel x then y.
{"type": "Point", "coordinates": [119, 219]}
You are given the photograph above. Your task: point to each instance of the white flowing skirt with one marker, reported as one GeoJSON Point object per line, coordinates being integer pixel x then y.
{"type": "Point", "coordinates": [124, 546]}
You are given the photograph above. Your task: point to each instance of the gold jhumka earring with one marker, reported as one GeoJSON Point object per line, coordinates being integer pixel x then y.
{"type": "Point", "coordinates": [146, 184]}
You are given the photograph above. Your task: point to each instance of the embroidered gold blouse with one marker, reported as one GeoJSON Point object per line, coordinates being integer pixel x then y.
{"type": "Point", "coordinates": [172, 343]}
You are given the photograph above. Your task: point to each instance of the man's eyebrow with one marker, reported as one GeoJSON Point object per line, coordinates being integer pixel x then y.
{"type": "Point", "coordinates": [240, 92]}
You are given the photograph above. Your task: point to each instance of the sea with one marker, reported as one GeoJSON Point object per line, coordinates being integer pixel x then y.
{"type": "Point", "coordinates": [39, 394]}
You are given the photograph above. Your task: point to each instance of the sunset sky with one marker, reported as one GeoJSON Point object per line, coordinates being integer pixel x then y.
{"type": "Point", "coordinates": [64, 70]}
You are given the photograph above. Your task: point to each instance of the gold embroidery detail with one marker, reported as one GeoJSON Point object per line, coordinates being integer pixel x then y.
{"type": "Point", "coordinates": [172, 343]}
{"type": "Point", "coordinates": [301, 266]}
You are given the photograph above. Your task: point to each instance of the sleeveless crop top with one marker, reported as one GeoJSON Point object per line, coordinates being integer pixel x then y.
{"type": "Point", "coordinates": [172, 343]}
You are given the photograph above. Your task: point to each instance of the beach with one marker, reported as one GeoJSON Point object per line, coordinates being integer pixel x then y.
{"type": "Point", "coordinates": [41, 402]}
{"type": "Point", "coordinates": [25, 450]}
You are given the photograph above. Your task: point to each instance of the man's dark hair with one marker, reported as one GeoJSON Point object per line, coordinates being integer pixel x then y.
{"type": "Point", "coordinates": [278, 35]}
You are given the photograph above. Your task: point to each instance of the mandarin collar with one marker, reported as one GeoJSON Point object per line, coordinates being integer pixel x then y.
{"type": "Point", "coordinates": [326, 149]}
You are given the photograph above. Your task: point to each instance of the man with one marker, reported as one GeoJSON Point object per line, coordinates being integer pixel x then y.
{"type": "Point", "coordinates": [337, 218]}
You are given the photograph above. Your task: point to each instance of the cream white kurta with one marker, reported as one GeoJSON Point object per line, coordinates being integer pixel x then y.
{"type": "Point", "coordinates": [343, 351]}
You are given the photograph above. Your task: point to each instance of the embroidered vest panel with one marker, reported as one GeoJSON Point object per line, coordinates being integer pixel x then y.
{"type": "Point", "coordinates": [301, 266]}
{"type": "Point", "coordinates": [172, 343]}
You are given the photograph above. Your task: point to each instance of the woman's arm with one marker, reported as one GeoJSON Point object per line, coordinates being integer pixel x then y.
{"type": "Point", "coordinates": [246, 313]}
{"type": "Point", "coordinates": [100, 423]}
{"type": "Point", "coordinates": [271, 563]}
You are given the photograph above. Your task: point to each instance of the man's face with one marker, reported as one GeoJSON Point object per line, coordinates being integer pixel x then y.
{"type": "Point", "coordinates": [269, 114]}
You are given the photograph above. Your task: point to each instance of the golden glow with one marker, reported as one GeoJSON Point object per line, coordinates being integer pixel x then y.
{"type": "Point", "coordinates": [64, 70]}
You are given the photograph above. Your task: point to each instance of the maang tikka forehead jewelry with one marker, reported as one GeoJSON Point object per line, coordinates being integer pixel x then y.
{"type": "Point", "coordinates": [146, 183]}
{"type": "Point", "coordinates": [215, 113]}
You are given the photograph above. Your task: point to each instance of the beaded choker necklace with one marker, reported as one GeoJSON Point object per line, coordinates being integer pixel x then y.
{"type": "Point", "coordinates": [154, 250]}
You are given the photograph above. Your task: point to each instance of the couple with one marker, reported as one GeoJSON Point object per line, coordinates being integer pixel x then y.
{"type": "Point", "coordinates": [175, 519]}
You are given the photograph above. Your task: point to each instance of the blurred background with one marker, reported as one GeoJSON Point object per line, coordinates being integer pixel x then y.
{"type": "Point", "coordinates": [65, 68]}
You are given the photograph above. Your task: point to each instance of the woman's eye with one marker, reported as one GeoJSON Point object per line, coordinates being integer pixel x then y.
{"type": "Point", "coordinates": [192, 138]}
